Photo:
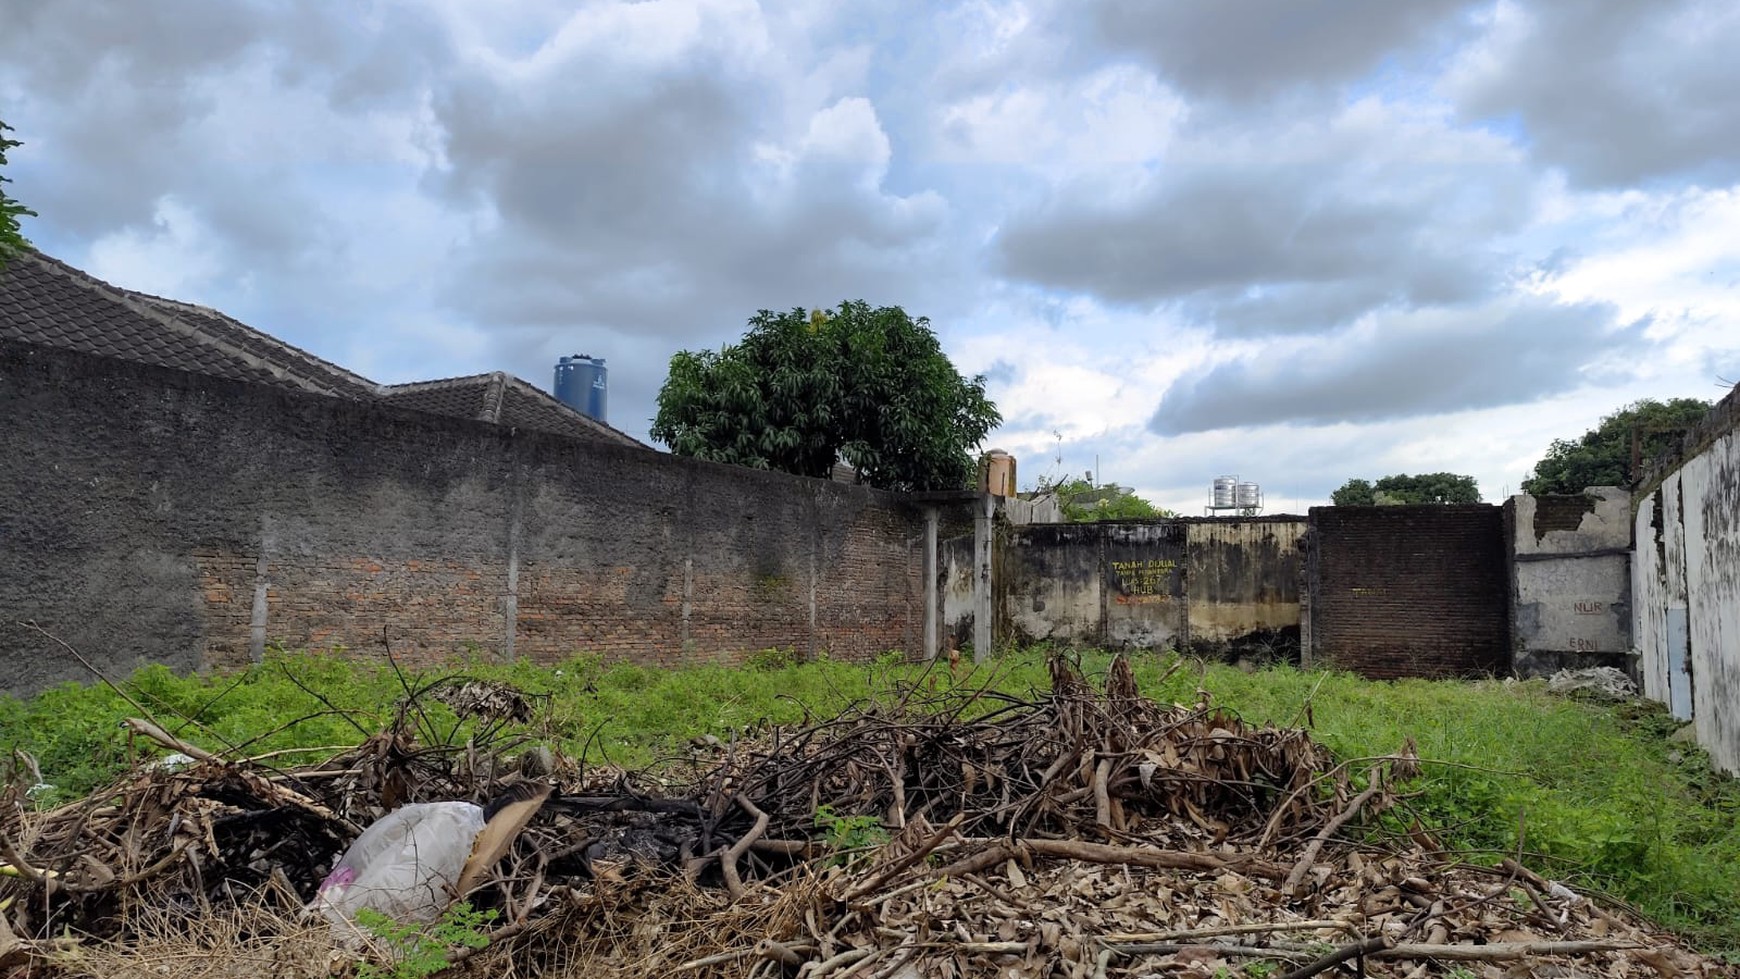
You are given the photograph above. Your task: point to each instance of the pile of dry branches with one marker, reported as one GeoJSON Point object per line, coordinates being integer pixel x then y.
{"type": "Point", "coordinates": [1082, 833]}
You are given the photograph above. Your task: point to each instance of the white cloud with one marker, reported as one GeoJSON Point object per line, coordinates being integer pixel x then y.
{"type": "Point", "coordinates": [175, 256]}
{"type": "Point", "coordinates": [1673, 259]}
{"type": "Point", "coordinates": [1118, 116]}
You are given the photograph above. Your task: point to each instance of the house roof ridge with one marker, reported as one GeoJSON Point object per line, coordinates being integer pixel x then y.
{"type": "Point", "coordinates": [262, 336]}
{"type": "Point", "coordinates": [109, 320]}
{"type": "Point", "coordinates": [406, 387]}
{"type": "Point", "coordinates": [526, 386]}
{"type": "Point", "coordinates": [493, 395]}
{"type": "Point", "coordinates": [126, 298]}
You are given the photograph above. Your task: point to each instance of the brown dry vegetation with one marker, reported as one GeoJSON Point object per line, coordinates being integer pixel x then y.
{"type": "Point", "coordinates": [1084, 833]}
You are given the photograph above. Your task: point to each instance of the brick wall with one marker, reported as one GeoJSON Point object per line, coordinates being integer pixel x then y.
{"type": "Point", "coordinates": [1399, 591]}
{"type": "Point", "coordinates": [148, 515]}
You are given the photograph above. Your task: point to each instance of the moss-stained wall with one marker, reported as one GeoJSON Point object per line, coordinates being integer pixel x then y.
{"type": "Point", "coordinates": [1686, 586]}
{"type": "Point", "coordinates": [1209, 584]}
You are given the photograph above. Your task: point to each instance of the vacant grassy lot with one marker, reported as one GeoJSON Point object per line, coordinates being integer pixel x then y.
{"type": "Point", "coordinates": [1594, 794]}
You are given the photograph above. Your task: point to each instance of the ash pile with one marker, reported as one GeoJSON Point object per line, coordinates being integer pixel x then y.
{"type": "Point", "coordinates": [1085, 833]}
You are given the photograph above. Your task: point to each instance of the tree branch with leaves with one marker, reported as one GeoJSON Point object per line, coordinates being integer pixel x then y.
{"type": "Point", "coordinates": [11, 237]}
{"type": "Point", "coordinates": [1603, 455]}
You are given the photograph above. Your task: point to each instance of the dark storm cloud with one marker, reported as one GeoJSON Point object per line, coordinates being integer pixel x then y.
{"type": "Point", "coordinates": [1261, 248]}
{"type": "Point", "coordinates": [1615, 91]}
{"type": "Point", "coordinates": [1514, 352]}
{"type": "Point", "coordinates": [1243, 49]}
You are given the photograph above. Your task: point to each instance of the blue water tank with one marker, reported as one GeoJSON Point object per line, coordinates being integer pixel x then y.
{"type": "Point", "coordinates": [583, 384]}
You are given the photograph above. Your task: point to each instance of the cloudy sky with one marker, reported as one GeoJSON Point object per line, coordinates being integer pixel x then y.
{"type": "Point", "coordinates": [1295, 240]}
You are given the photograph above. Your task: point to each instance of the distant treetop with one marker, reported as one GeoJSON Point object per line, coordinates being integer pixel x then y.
{"type": "Point", "coordinates": [1400, 488]}
{"type": "Point", "coordinates": [1602, 457]}
{"type": "Point", "coordinates": [1083, 501]}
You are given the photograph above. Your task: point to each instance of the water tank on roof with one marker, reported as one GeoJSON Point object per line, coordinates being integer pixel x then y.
{"type": "Point", "coordinates": [997, 473]}
{"type": "Point", "coordinates": [583, 384]}
{"type": "Point", "coordinates": [1225, 492]}
{"type": "Point", "coordinates": [1249, 495]}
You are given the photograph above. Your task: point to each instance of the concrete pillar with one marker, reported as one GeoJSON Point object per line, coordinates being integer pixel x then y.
{"type": "Point", "coordinates": [930, 572]}
{"type": "Point", "coordinates": [982, 577]}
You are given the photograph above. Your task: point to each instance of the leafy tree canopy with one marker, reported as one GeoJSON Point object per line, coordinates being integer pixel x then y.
{"type": "Point", "coordinates": [1402, 488]}
{"type": "Point", "coordinates": [10, 210]}
{"type": "Point", "coordinates": [1355, 492]}
{"type": "Point", "coordinates": [1082, 501]}
{"type": "Point", "coordinates": [1602, 457]}
{"type": "Point", "coordinates": [803, 390]}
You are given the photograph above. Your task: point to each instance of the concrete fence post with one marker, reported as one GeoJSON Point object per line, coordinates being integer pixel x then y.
{"type": "Point", "coordinates": [982, 614]}
{"type": "Point", "coordinates": [931, 610]}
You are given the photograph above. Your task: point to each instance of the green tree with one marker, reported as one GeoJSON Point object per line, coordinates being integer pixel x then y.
{"type": "Point", "coordinates": [1082, 501]}
{"type": "Point", "coordinates": [11, 238]}
{"type": "Point", "coordinates": [1354, 492]}
{"type": "Point", "coordinates": [1602, 457]}
{"type": "Point", "coordinates": [1403, 488]}
{"type": "Point", "coordinates": [804, 390]}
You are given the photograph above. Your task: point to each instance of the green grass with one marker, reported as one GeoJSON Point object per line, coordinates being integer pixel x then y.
{"type": "Point", "coordinates": [1595, 794]}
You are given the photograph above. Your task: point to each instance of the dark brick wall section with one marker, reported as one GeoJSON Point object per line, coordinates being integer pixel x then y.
{"type": "Point", "coordinates": [152, 515]}
{"type": "Point", "coordinates": [1409, 591]}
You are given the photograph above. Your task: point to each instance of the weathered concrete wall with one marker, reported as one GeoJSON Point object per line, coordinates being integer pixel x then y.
{"type": "Point", "coordinates": [1243, 581]}
{"type": "Point", "coordinates": [1660, 625]}
{"type": "Point", "coordinates": [1408, 591]}
{"type": "Point", "coordinates": [1142, 581]}
{"type": "Point", "coordinates": [1051, 583]}
{"type": "Point", "coordinates": [1686, 580]}
{"type": "Point", "coordinates": [1040, 509]}
{"type": "Point", "coordinates": [150, 515]}
{"type": "Point", "coordinates": [1204, 584]}
{"type": "Point", "coordinates": [958, 572]}
{"type": "Point", "coordinates": [1570, 580]}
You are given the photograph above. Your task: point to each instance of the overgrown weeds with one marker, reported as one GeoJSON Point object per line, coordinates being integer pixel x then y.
{"type": "Point", "coordinates": [1594, 794]}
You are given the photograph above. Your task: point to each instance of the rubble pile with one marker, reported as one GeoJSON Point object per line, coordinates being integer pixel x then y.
{"type": "Point", "coordinates": [1084, 833]}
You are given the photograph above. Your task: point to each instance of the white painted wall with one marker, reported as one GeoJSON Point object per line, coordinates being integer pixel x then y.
{"type": "Point", "coordinates": [1572, 586]}
{"type": "Point", "coordinates": [1688, 569]}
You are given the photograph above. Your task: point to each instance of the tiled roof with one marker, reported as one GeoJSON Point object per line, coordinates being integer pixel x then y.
{"type": "Point", "coordinates": [263, 345]}
{"type": "Point", "coordinates": [461, 397]}
{"type": "Point", "coordinates": [504, 400]}
{"type": "Point", "coordinates": [526, 406]}
{"type": "Point", "coordinates": [45, 301]}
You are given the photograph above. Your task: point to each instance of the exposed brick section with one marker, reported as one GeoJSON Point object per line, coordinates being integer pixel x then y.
{"type": "Point", "coordinates": [145, 509]}
{"type": "Point", "coordinates": [1408, 591]}
{"type": "Point", "coordinates": [226, 583]}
